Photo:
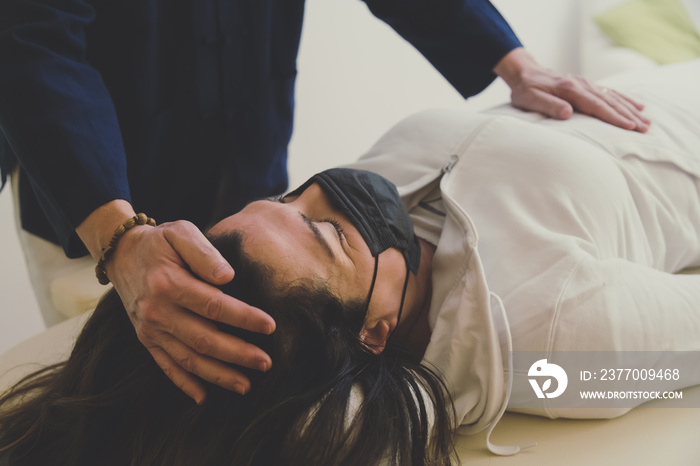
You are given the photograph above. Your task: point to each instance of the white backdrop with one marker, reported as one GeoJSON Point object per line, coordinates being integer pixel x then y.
{"type": "Point", "coordinates": [356, 79]}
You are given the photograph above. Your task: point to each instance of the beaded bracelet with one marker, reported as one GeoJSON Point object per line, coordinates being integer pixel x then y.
{"type": "Point", "coordinates": [138, 219]}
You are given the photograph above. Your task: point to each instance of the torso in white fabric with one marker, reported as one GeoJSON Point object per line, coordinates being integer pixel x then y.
{"type": "Point", "coordinates": [558, 235]}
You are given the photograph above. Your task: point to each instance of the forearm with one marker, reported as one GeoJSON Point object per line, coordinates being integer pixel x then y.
{"type": "Point", "coordinates": [56, 113]}
{"type": "Point", "coordinates": [462, 39]}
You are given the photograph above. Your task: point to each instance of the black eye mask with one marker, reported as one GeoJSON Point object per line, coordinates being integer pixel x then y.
{"type": "Point", "coordinates": [374, 207]}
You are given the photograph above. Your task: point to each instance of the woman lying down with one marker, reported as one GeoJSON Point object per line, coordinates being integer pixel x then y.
{"type": "Point", "coordinates": [395, 310]}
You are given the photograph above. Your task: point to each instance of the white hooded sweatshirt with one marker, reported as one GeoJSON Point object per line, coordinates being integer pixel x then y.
{"type": "Point", "coordinates": [558, 236]}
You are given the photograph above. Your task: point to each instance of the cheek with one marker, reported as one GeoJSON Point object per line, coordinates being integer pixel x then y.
{"type": "Point", "coordinates": [354, 282]}
{"type": "Point", "coordinates": [392, 272]}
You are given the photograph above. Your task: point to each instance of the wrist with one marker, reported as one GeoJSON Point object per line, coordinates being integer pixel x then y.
{"type": "Point", "coordinates": [98, 228]}
{"type": "Point", "coordinates": [122, 230]}
{"type": "Point", "coordinates": [514, 64]}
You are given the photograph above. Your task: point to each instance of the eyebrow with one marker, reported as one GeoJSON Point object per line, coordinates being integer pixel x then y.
{"type": "Point", "coordinates": [317, 234]}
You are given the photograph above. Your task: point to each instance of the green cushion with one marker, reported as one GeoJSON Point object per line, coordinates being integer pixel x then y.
{"type": "Point", "coordinates": [659, 29]}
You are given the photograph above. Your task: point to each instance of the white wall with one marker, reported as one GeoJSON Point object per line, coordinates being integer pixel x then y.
{"type": "Point", "coordinates": [19, 312]}
{"type": "Point", "coordinates": [356, 79]}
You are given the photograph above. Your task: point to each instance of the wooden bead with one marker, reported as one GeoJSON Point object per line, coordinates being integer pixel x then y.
{"type": "Point", "coordinates": [108, 252]}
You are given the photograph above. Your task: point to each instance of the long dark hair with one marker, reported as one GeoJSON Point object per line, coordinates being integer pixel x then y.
{"type": "Point", "coordinates": [110, 404]}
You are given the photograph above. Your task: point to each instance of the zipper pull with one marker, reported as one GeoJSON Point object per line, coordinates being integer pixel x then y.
{"type": "Point", "coordinates": [453, 159]}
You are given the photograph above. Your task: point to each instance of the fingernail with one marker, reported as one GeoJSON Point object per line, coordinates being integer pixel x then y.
{"type": "Point", "coordinates": [239, 388]}
{"type": "Point", "coordinates": [222, 270]}
{"type": "Point", "coordinates": [201, 401]}
{"type": "Point", "coordinates": [270, 329]}
{"type": "Point", "coordinates": [263, 366]}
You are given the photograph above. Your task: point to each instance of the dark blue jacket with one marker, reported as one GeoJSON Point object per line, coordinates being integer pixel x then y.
{"type": "Point", "coordinates": [180, 105]}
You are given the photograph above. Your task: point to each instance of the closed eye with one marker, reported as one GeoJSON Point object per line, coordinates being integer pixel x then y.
{"type": "Point", "coordinates": [336, 225]}
{"type": "Point", "coordinates": [334, 222]}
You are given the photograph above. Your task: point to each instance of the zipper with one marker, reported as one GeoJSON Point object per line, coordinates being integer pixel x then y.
{"type": "Point", "coordinates": [454, 158]}
{"type": "Point", "coordinates": [451, 162]}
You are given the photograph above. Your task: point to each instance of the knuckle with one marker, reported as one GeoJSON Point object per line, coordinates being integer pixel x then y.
{"type": "Point", "coordinates": [165, 228]}
{"type": "Point", "coordinates": [182, 226]}
{"type": "Point", "coordinates": [149, 314]}
{"type": "Point", "coordinates": [145, 337]}
{"type": "Point", "coordinates": [221, 381]}
{"type": "Point", "coordinates": [568, 84]}
{"type": "Point", "coordinates": [599, 105]}
{"type": "Point", "coordinates": [214, 307]}
{"type": "Point", "coordinates": [202, 343]}
{"type": "Point", "coordinates": [625, 113]}
{"type": "Point", "coordinates": [168, 371]}
{"type": "Point", "coordinates": [159, 284]}
{"type": "Point", "coordinates": [134, 314]}
{"type": "Point", "coordinates": [181, 384]}
{"type": "Point", "coordinates": [188, 363]}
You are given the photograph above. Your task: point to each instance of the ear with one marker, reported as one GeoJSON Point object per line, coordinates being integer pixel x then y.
{"type": "Point", "coordinates": [376, 335]}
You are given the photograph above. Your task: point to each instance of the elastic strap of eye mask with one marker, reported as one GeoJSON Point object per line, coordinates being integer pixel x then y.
{"type": "Point", "coordinates": [374, 280]}
{"type": "Point", "coordinates": [403, 293]}
{"type": "Point", "coordinates": [403, 297]}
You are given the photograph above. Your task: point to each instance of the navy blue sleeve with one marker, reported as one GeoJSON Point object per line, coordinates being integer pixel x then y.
{"type": "Point", "coordinates": [463, 39]}
{"type": "Point", "coordinates": [56, 114]}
